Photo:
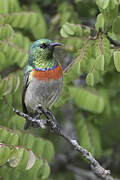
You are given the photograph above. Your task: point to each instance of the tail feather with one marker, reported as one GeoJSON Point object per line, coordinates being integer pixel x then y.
{"type": "Point", "coordinates": [27, 124]}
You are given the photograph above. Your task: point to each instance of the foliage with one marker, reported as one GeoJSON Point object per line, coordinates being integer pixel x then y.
{"type": "Point", "coordinates": [91, 82]}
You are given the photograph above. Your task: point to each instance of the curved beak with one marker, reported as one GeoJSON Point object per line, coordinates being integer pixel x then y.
{"type": "Point", "coordinates": [53, 44]}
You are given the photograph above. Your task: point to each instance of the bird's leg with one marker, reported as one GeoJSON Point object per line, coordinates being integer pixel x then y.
{"type": "Point", "coordinates": [54, 125]}
{"type": "Point", "coordinates": [39, 110]}
{"type": "Point", "coordinates": [30, 123]}
{"type": "Point", "coordinates": [34, 123]}
{"type": "Point", "coordinates": [37, 116]}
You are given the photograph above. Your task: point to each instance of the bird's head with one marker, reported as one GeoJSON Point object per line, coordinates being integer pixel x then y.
{"type": "Point", "coordinates": [42, 49]}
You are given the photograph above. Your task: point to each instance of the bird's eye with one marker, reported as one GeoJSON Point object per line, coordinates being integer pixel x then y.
{"type": "Point", "coordinates": [43, 45]}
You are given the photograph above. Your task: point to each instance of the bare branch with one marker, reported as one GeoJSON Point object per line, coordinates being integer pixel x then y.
{"type": "Point", "coordinates": [85, 174]}
{"type": "Point", "coordinates": [114, 42]}
{"type": "Point", "coordinates": [43, 124]}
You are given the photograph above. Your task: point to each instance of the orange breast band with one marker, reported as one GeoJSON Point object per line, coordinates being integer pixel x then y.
{"type": "Point", "coordinates": [55, 73]}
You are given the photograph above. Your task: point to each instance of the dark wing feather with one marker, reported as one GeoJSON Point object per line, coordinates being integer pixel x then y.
{"type": "Point", "coordinates": [25, 85]}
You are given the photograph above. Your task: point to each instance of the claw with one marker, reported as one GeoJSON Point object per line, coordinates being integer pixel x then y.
{"type": "Point", "coordinates": [55, 125]}
{"type": "Point", "coordinates": [56, 128]}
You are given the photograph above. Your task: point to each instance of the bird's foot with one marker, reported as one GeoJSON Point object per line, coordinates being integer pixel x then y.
{"type": "Point", "coordinates": [39, 110]}
{"type": "Point", "coordinates": [36, 122]}
{"type": "Point", "coordinates": [54, 125]}
{"type": "Point", "coordinates": [51, 120]}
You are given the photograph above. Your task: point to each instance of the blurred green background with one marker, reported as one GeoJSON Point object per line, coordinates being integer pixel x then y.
{"type": "Point", "coordinates": [89, 106]}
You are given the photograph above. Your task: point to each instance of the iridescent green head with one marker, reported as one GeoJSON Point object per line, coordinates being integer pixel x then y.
{"type": "Point", "coordinates": [41, 51]}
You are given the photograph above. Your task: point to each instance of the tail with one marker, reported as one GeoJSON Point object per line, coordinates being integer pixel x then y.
{"type": "Point", "coordinates": [27, 124]}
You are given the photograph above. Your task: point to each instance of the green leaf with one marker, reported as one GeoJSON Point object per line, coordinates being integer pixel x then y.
{"type": "Point", "coordinates": [100, 62]}
{"type": "Point", "coordinates": [39, 30]}
{"type": "Point", "coordinates": [9, 6]}
{"type": "Point", "coordinates": [15, 160]}
{"type": "Point", "coordinates": [14, 53]}
{"type": "Point", "coordinates": [88, 135]}
{"type": "Point", "coordinates": [33, 172]}
{"type": "Point", "coordinates": [4, 7]}
{"type": "Point", "coordinates": [106, 49]}
{"type": "Point", "coordinates": [86, 31]}
{"type": "Point", "coordinates": [100, 22]}
{"type": "Point", "coordinates": [6, 32]}
{"type": "Point", "coordinates": [13, 6]}
{"type": "Point", "coordinates": [21, 41]}
{"type": "Point", "coordinates": [10, 84]}
{"type": "Point", "coordinates": [4, 154]}
{"type": "Point", "coordinates": [73, 72]}
{"type": "Point", "coordinates": [97, 76]}
{"type": "Point", "coordinates": [3, 134]}
{"type": "Point", "coordinates": [31, 160]}
{"type": "Point", "coordinates": [78, 30]}
{"type": "Point", "coordinates": [87, 100]}
{"type": "Point", "coordinates": [28, 140]}
{"type": "Point", "coordinates": [39, 145]}
{"type": "Point", "coordinates": [90, 79]}
{"type": "Point", "coordinates": [68, 29]}
{"type": "Point", "coordinates": [117, 60]}
{"type": "Point", "coordinates": [48, 152]}
{"type": "Point", "coordinates": [24, 157]}
{"type": "Point", "coordinates": [2, 60]}
{"type": "Point", "coordinates": [20, 19]}
{"type": "Point", "coordinates": [44, 171]}
{"type": "Point", "coordinates": [116, 25]}
{"type": "Point", "coordinates": [16, 83]}
{"type": "Point", "coordinates": [63, 33]}
{"type": "Point", "coordinates": [13, 139]}
{"type": "Point", "coordinates": [1, 20]}
{"type": "Point", "coordinates": [103, 3]}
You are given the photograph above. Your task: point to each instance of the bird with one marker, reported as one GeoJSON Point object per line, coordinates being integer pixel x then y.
{"type": "Point", "coordinates": [43, 78]}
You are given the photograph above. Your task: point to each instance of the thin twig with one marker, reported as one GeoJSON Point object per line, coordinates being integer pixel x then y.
{"type": "Point", "coordinates": [114, 42]}
{"type": "Point", "coordinates": [85, 174]}
{"type": "Point", "coordinates": [81, 55]}
{"type": "Point", "coordinates": [95, 166]}
{"type": "Point", "coordinates": [101, 45]}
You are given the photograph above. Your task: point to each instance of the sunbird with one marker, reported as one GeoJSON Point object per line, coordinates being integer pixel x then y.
{"type": "Point", "coordinates": [43, 78]}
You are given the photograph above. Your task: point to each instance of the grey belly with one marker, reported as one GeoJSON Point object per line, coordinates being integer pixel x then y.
{"type": "Point", "coordinates": [42, 93]}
